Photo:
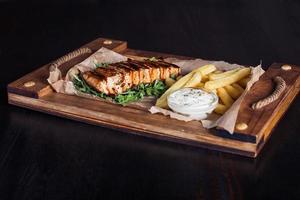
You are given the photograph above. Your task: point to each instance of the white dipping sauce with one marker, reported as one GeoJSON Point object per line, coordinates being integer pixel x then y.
{"type": "Point", "coordinates": [193, 102]}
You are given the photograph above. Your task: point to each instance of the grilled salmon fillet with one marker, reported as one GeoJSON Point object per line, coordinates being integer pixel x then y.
{"type": "Point", "coordinates": [117, 78]}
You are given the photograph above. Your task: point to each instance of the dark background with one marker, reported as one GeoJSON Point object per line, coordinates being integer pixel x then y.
{"type": "Point", "coordinates": [46, 157]}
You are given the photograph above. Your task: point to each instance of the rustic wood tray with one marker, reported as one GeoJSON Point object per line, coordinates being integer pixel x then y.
{"type": "Point", "coordinates": [32, 91]}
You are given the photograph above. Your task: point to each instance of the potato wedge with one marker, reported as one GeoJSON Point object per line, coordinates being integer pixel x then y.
{"type": "Point", "coordinates": [220, 109]}
{"type": "Point", "coordinates": [162, 101]}
{"type": "Point", "coordinates": [232, 78]}
{"type": "Point", "coordinates": [195, 80]}
{"type": "Point", "coordinates": [225, 97]}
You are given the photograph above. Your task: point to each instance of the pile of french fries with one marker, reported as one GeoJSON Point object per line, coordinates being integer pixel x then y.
{"type": "Point", "coordinates": [228, 85]}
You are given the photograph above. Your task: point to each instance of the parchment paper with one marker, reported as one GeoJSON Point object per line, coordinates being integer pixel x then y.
{"type": "Point", "coordinates": [103, 55]}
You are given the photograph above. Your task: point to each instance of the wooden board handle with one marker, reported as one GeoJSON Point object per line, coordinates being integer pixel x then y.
{"type": "Point", "coordinates": [280, 87]}
{"type": "Point", "coordinates": [260, 115]}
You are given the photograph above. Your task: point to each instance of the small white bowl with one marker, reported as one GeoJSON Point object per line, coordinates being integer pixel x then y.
{"type": "Point", "coordinates": [193, 102]}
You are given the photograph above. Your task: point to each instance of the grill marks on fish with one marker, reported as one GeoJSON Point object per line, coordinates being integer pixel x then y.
{"type": "Point", "coordinates": [118, 77]}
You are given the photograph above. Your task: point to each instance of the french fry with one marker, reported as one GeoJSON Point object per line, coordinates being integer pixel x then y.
{"type": "Point", "coordinates": [206, 90]}
{"type": "Point", "coordinates": [200, 85]}
{"type": "Point", "coordinates": [214, 91]}
{"type": "Point", "coordinates": [233, 92]}
{"type": "Point", "coordinates": [214, 76]}
{"type": "Point", "coordinates": [220, 109]}
{"type": "Point", "coordinates": [244, 82]}
{"type": "Point", "coordinates": [178, 77]}
{"type": "Point", "coordinates": [204, 70]}
{"type": "Point", "coordinates": [195, 80]}
{"type": "Point", "coordinates": [232, 78]}
{"type": "Point", "coordinates": [169, 82]}
{"type": "Point", "coordinates": [225, 97]}
{"type": "Point", "coordinates": [204, 78]}
{"type": "Point", "coordinates": [238, 87]}
{"type": "Point", "coordinates": [217, 72]}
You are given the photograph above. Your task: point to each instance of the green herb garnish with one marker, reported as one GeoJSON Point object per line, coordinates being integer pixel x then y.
{"type": "Point", "coordinates": [157, 88]}
{"type": "Point", "coordinates": [173, 76]}
{"type": "Point", "coordinates": [101, 65]}
{"type": "Point", "coordinates": [83, 87]}
{"type": "Point", "coordinates": [137, 93]}
{"type": "Point", "coordinates": [153, 59]}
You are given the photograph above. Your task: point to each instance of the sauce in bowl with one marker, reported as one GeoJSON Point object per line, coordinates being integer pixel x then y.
{"type": "Point", "coordinates": [193, 102]}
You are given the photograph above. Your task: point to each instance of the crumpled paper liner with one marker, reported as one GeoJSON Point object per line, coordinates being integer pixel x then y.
{"type": "Point", "coordinates": [103, 55]}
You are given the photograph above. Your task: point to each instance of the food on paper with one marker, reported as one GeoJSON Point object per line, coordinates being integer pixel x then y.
{"type": "Point", "coordinates": [117, 78]}
{"type": "Point", "coordinates": [225, 84]}
{"type": "Point", "coordinates": [127, 81]}
{"type": "Point", "coordinates": [74, 84]}
{"type": "Point", "coordinates": [192, 102]}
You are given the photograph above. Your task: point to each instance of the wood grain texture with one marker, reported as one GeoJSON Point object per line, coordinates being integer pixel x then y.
{"type": "Point", "coordinates": [133, 120]}
{"type": "Point", "coordinates": [261, 121]}
{"type": "Point", "coordinates": [139, 121]}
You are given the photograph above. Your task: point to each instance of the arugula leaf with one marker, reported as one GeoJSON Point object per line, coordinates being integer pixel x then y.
{"type": "Point", "coordinates": [82, 86]}
{"type": "Point", "coordinates": [101, 65]}
{"type": "Point", "coordinates": [173, 76]}
{"type": "Point", "coordinates": [152, 59]}
{"type": "Point", "coordinates": [157, 88]}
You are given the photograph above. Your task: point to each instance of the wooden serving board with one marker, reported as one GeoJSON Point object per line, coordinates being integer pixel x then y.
{"type": "Point", "coordinates": [249, 142]}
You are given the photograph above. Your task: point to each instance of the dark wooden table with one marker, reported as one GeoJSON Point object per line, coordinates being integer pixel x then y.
{"type": "Point", "coordinates": [46, 157]}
